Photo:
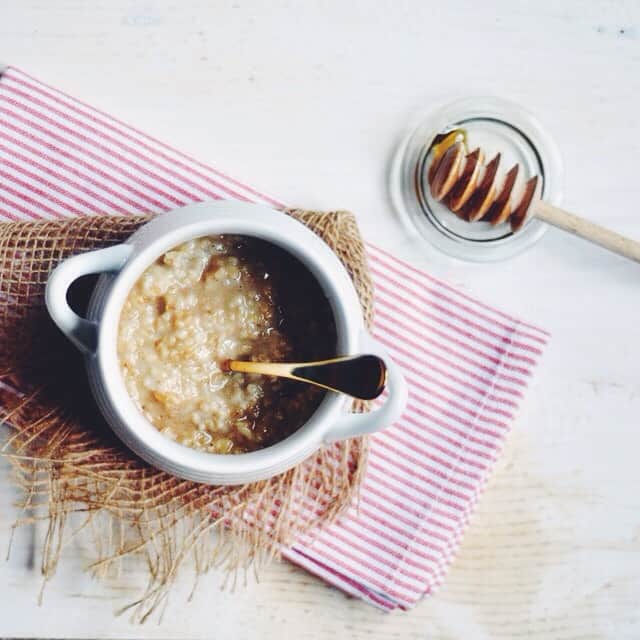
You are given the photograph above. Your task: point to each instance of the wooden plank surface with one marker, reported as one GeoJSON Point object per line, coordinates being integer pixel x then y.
{"type": "Point", "coordinates": [308, 100]}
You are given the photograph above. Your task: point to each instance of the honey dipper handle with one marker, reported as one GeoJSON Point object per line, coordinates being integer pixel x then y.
{"type": "Point", "coordinates": [588, 230]}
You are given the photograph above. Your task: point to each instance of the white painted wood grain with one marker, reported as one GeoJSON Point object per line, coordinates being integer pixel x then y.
{"type": "Point", "coordinates": [307, 100]}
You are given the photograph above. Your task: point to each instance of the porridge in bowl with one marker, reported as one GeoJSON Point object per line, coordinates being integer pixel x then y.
{"type": "Point", "coordinates": [216, 298]}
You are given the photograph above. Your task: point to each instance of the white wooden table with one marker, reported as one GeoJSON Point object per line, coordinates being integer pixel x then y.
{"type": "Point", "coordinates": [307, 100]}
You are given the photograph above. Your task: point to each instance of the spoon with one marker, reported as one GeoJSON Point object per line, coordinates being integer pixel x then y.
{"type": "Point", "coordinates": [361, 377]}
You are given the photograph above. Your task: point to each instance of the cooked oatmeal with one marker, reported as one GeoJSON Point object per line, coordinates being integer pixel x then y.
{"type": "Point", "coordinates": [208, 300]}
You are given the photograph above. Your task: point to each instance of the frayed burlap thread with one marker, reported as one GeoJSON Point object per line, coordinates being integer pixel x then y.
{"type": "Point", "coordinates": [77, 477]}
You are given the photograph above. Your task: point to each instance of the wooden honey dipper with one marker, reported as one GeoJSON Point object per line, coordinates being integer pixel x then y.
{"type": "Point", "coordinates": [470, 188]}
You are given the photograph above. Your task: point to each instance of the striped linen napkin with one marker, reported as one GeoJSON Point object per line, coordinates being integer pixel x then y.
{"type": "Point", "coordinates": [466, 363]}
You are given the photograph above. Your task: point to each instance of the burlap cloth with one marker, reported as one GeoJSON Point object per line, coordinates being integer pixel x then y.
{"type": "Point", "coordinates": [77, 477]}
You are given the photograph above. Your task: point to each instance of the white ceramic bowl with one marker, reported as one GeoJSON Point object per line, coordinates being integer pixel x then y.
{"type": "Point", "coordinates": [121, 265]}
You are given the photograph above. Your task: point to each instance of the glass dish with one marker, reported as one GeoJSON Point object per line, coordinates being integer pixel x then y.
{"type": "Point", "coordinates": [494, 125]}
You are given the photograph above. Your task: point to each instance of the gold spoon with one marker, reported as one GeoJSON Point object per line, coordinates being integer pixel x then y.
{"type": "Point", "coordinates": [363, 377]}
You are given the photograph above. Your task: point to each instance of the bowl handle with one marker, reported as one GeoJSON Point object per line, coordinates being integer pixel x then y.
{"type": "Point", "coordinates": [82, 332]}
{"type": "Point", "coordinates": [351, 425]}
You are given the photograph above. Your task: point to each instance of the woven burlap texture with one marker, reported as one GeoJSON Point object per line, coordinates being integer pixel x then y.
{"type": "Point", "coordinates": [68, 462]}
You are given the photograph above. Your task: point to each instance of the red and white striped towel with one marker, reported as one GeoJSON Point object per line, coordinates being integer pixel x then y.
{"type": "Point", "coordinates": [467, 364]}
